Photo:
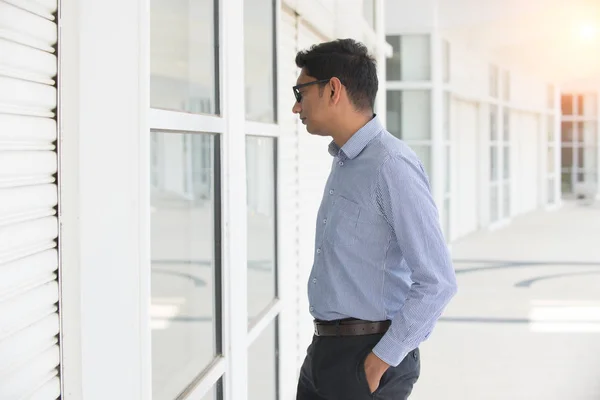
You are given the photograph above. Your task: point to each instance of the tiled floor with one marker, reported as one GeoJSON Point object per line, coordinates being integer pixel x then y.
{"type": "Point", "coordinates": [526, 321]}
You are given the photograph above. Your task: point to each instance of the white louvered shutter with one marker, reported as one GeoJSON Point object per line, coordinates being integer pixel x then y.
{"type": "Point", "coordinates": [29, 323]}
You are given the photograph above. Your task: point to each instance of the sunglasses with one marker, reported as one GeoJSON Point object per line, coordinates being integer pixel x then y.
{"type": "Point", "coordinates": [296, 88]}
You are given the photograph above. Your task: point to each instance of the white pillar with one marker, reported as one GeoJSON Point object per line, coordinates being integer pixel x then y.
{"type": "Point", "coordinates": [235, 270]}
{"type": "Point", "coordinates": [105, 198]}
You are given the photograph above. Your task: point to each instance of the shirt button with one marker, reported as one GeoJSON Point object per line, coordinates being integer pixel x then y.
{"type": "Point", "coordinates": [318, 251]}
{"type": "Point", "coordinates": [331, 191]}
{"type": "Point", "coordinates": [312, 309]}
{"type": "Point", "coordinates": [341, 163]}
{"type": "Point", "coordinates": [314, 280]}
{"type": "Point", "coordinates": [325, 221]}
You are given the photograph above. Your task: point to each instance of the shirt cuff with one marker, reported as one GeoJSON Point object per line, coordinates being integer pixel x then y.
{"type": "Point", "coordinates": [389, 351]}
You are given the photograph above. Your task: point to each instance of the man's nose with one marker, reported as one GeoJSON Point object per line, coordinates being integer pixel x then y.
{"type": "Point", "coordinates": [296, 108]}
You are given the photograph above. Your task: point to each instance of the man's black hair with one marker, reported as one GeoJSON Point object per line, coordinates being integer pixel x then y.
{"type": "Point", "coordinates": [350, 62]}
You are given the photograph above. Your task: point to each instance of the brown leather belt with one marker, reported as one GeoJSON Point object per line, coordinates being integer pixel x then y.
{"type": "Point", "coordinates": [350, 327]}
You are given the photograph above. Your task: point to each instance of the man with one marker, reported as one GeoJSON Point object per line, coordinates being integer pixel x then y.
{"type": "Point", "coordinates": [382, 274]}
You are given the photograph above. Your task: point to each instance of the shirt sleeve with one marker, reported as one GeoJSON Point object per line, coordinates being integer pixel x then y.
{"type": "Point", "coordinates": [403, 195]}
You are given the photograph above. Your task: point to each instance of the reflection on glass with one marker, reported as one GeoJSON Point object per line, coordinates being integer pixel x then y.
{"type": "Point", "coordinates": [259, 52]}
{"type": "Point", "coordinates": [409, 114]}
{"type": "Point", "coordinates": [411, 58]}
{"type": "Point", "coordinates": [262, 365]}
{"type": "Point", "coordinates": [590, 158]}
{"type": "Point", "coordinates": [184, 320]}
{"type": "Point", "coordinates": [260, 164]}
{"type": "Point", "coordinates": [182, 56]}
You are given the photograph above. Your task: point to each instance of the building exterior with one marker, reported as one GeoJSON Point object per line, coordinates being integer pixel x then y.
{"type": "Point", "coordinates": [158, 197]}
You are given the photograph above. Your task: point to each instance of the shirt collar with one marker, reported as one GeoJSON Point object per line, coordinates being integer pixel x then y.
{"type": "Point", "coordinates": [359, 140]}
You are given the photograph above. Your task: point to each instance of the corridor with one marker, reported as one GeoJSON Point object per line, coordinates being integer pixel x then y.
{"type": "Point", "coordinates": [525, 324]}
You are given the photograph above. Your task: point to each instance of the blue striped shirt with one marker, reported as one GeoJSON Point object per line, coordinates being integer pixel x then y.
{"type": "Point", "coordinates": [379, 250]}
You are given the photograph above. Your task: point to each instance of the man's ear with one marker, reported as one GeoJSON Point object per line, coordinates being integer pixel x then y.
{"type": "Point", "coordinates": [336, 89]}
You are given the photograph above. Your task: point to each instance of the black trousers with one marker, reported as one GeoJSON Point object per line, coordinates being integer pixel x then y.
{"type": "Point", "coordinates": [334, 370]}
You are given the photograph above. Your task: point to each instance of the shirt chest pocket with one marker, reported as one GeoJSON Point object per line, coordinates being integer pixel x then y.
{"type": "Point", "coordinates": [354, 226]}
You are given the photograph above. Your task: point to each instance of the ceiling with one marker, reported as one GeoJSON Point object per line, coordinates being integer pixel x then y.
{"type": "Point", "coordinates": [557, 40]}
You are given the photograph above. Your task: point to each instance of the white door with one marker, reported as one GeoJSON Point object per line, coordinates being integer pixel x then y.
{"type": "Point", "coordinates": [29, 321]}
{"type": "Point", "coordinates": [465, 167]}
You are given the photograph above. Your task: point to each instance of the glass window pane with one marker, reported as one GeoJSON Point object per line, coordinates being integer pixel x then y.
{"type": "Point", "coordinates": [494, 163]}
{"type": "Point", "coordinates": [566, 157]}
{"type": "Point", "coordinates": [493, 123]}
{"type": "Point", "coordinates": [566, 182]}
{"type": "Point", "coordinates": [393, 64]}
{"type": "Point", "coordinates": [260, 164]}
{"type": "Point", "coordinates": [506, 124]}
{"type": "Point", "coordinates": [579, 132]}
{"type": "Point", "coordinates": [411, 58]}
{"type": "Point", "coordinates": [262, 365]}
{"type": "Point", "coordinates": [258, 62]}
{"type": "Point", "coordinates": [416, 58]}
{"type": "Point", "coordinates": [216, 392]}
{"type": "Point", "coordinates": [409, 114]}
{"type": "Point", "coordinates": [506, 154]}
{"type": "Point", "coordinates": [506, 201]}
{"type": "Point", "coordinates": [588, 133]}
{"type": "Point", "coordinates": [184, 272]}
{"type": "Point", "coordinates": [580, 108]}
{"type": "Point", "coordinates": [494, 203]}
{"type": "Point", "coordinates": [566, 102]}
{"type": "Point", "coordinates": [566, 132]}
{"type": "Point", "coordinates": [424, 154]}
{"type": "Point", "coordinates": [588, 158]}
{"type": "Point", "coordinates": [182, 56]}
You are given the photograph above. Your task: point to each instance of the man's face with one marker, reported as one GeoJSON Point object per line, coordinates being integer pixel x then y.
{"type": "Point", "coordinates": [313, 107]}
